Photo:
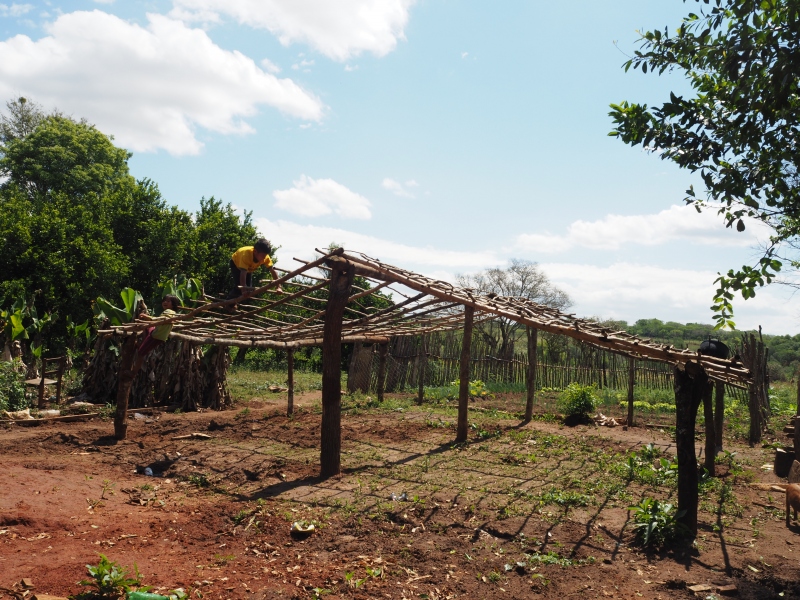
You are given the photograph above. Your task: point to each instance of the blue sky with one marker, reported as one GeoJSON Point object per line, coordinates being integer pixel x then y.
{"type": "Point", "coordinates": [443, 136]}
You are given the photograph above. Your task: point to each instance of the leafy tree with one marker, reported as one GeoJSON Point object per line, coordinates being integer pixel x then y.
{"type": "Point", "coordinates": [157, 240]}
{"type": "Point", "coordinates": [62, 251]}
{"type": "Point", "coordinates": [23, 117]}
{"type": "Point", "coordinates": [523, 279]}
{"type": "Point", "coordinates": [739, 130]}
{"type": "Point", "coordinates": [62, 155]}
{"type": "Point", "coordinates": [74, 224]}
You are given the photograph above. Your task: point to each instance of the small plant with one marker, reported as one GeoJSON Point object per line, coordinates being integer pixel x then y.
{"type": "Point", "coordinates": [12, 386]}
{"type": "Point", "coordinates": [239, 517]}
{"type": "Point", "coordinates": [199, 479]}
{"type": "Point", "coordinates": [656, 523]}
{"type": "Point", "coordinates": [108, 488]}
{"type": "Point", "coordinates": [109, 580]}
{"type": "Point", "coordinates": [577, 401]}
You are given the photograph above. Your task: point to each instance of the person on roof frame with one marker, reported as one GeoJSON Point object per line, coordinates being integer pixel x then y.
{"type": "Point", "coordinates": [245, 261]}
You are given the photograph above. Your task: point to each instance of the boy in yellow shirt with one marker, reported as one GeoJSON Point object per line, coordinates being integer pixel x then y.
{"type": "Point", "coordinates": [244, 263]}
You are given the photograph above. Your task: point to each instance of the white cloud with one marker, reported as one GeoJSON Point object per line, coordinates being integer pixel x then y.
{"type": "Point", "coordinates": [303, 64]}
{"type": "Point", "coordinates": [398, 189]}
{"type": "Point", "coordinates": [317, 197]}
{"type": "Point", "coordinates": [622, 290]}
{"type": "Point", "coordinates": [338, 29]}
{"type": "Point", "coordinates": [631, 291]}
{"type": "Point", "coordinates": [104, 1]}
{"type": "Point", "coordinates": [681, 223]}
{"type": "Point", "coordinates": [300, 240]}
{"type": "Point", "coordinates": [151, 87]}
{"type": "Point", "coordinates": [270, 66]}
{"type": "Point", "coordinates": [464, 54]}
{"type": "Point", "coordinates": [15, 10]}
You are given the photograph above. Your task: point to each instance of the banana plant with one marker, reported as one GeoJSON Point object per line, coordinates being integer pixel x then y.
{"type": "Point", "coordinates": [103, 309]}
{"type": "Point", "coordinates": [185, 288]}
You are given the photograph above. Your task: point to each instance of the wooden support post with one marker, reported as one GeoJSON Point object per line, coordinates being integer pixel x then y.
{"type": "Point", "coordinates": [463, 377]}
{"type": "Point", "coordinates": [533, 342]}
{"type": "Point", "coordinates": [631, 383]}
{"type": "Point", "coordinates": [331, 436]}
{"type": "Point", "coordinates": [125, 379]}
{"type": "Point", "coordinates": [711, 437]}
{"type": "Point", "coordinates": [290, 382]}
{"type": "Point", "coordinates": [691, 383]}
{"type": "Point", "coordinates": [422, 365]}
{"type": "Point", "coordinates": [719, 414]}
{"type": "Point", "coordinates": [62, 366]}
{"type": "Point", "coordinates": [41, 403]}
{"type": "Point", "coordinates": [383, 350]}
{"type": "Point", "coordinates": [353, 370]}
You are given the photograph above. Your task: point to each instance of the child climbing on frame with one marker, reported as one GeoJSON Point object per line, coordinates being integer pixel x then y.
{"type": "Point", "coordinates": [156, 335]}
{"type": "Point", "coordinates": [244, 263]}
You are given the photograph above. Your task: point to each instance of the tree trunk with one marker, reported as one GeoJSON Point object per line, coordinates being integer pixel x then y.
{"type": "Point", "coordinates": [533, 342]}
{"type": "Point", "coordinates": [463, 379]}
{"type": "Point", "coordinates": [719, 414]}
{"type": "Point", "coordinates": [290, 382]}
{"type": "Point", "coordinates": [711, 438]}
{"type": "Point", "coordinates": [331, 436]}
{"type": "Point", "coordinates": [383, 350]}
{"type": "Point", "coordinates": [124, 387]}
{"type": "Point", "coordinates": [691, 383]}
{"type": "Point", "coordinates": [631, 383]}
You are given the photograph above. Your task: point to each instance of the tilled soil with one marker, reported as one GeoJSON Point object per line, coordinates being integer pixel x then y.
{"type": "Point", "coordinates": [216, 517]}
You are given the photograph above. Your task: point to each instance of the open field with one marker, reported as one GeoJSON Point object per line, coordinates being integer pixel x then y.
{"type": "Point", "coordinates": [539, 510]}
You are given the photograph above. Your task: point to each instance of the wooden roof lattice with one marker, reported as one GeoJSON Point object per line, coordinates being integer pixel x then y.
{"type": "Point", "coordinates": [295, 318]}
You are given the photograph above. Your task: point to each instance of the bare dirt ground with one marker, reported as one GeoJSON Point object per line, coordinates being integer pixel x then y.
{"type": "Point", "coordinates": [216, 518]}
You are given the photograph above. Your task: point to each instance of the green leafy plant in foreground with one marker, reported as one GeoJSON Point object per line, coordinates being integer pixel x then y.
{"type": "Point", "coordinates": [110, 581]}
{"type": "Point", "coordinates": [577, 400]}
{"type": "Point", "coordinates": [656, 523]}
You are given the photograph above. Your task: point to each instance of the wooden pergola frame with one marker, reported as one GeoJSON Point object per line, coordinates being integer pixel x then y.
{"type": "Point", "coordinates": [264, 318]}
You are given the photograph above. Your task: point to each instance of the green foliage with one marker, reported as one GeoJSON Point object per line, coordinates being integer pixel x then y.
{"type": "Point", "coordinates": [656, 524]}
{"type": "Point", "coordinates": [476, 388]}
{"type": "Point", "coordinates": [63, 155]}
{"type": "Point", "coordinates": [103, 309]}
{"type": "Point", "coordinates": [742, 60]}
{"type": "Point", "coordinates": [186, 288]}
{"type": "Point", "coordinates": [577, 400]}
{"type": "Point", "coordinates": [12, 387]}
{"type": "Point", "coordinates": [74, 225]}
{"type": "Point", "coordinates": [110, 581]}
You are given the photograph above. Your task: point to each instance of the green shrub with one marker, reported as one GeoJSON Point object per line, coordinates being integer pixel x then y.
{"type": "Point", "coordinates": [577, 400]}
{"type": "Point", "coordinates": [110, 580]}
{"type": "Point", "coordinates": [12, 387]}
{"type": "Point", "coordinates": [655, 523]}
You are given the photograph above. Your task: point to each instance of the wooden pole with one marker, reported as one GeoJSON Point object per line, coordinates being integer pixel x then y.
{"type": "Point", "coordinates": [711, 441]}
{"type": "Point", "coordinates": [331, 435]}
{"type": "Point", "coordinates": [533, 342]}
{"type": "Point", "coordinates": [631, 383]}
{"type": "Point", "coordinates": [383, 350]}
{"type": "Point", "coordinates": [353, 371]}
{"type": "Point", "coordinates": [290, 382]}
{"type": "Point", "coordinates": [463, 377]}
{"type": "Point", "coordinates": [691, 383]}
{"type": "Point", "coordinates": [422, 365]}
{"type": "Point", "coordinates": [719, 414]}
{"type": "Point", "coordinates": [125, 379]}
